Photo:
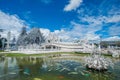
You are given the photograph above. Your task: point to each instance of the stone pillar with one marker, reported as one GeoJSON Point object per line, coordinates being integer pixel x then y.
{"type": "Point", "coordinates": [51, 47]}
{"type": "Point", "coordinates": [56, 47]}
{"type": "Point", "coordinates": [44, 47]}
{"type": "Point", "coordinates": [8, 40]}
{"type": "Point", "coordinates": [3, 43]}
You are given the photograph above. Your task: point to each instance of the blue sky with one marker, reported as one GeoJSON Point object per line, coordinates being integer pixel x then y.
{"type": "Point", "coordinates": [69, 19]}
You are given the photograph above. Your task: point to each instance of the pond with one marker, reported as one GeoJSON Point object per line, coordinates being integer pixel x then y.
{"type": "Point", "coordinates": [53, 67]}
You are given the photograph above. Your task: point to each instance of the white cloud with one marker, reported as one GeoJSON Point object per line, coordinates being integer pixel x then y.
{"type": "Point", "coordinates": [114, 18]}
{"type": "Point", "coordinates": [85, 31]}
{"type": "Point", "coordinates": [73, 5]}
{"type": "Point", "coordinates": [114, 38]}
{"type": "Point", "coordinates": [114, 30]}
{"type": "Point", "coordinates": [88, 31]}
{"type": "Point", "coordinates": [92, 36]}
{"type": "Point", "coordinates": [63, 34]}
{"type": "Point", "coordinates": [10, 23]}
{"type": "Point", "coordinates": [90, 26]}
{"type": "Point", "coordinates": [78, 31]}
{"type": "Point", "coordinates": [99, 22]}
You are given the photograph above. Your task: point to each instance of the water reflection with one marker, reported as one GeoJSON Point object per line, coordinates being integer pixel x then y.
{"type": "Point", "coordinates": [8, 67]}
{"type": "Point", "coordinates": [12, 67]}
{"type": "Point", "coordinates": [52, 68]}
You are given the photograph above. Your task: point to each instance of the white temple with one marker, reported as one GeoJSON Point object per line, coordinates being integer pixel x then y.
{"type": "Point", "coordinates": [34, 41]}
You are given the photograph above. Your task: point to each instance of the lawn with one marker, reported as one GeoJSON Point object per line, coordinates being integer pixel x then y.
{"type": "Point", "coordinates": [42, 54]}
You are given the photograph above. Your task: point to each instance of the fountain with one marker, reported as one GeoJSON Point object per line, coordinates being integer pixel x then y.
{"type": "Point", "coordinates": [97, 62]}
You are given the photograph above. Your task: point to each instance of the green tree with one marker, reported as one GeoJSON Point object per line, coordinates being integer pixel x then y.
{"type": "Point", "coordinates": [1, 44]}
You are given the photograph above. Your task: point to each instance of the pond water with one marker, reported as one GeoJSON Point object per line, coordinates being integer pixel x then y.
{"type": "Point", "coordinates": [60, 67]}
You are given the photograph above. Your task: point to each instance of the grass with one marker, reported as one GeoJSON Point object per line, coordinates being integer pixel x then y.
{"type": "Point", "coordinates": [15, 54]}
{"type": "Point", "coordinates": [1, 50]}
{"type": "Point", "coordinates": [107, 54]}
{"type": "Point", "coordinates": [42, 54]}
{"type": "Point", "coordinates": [81, 53]}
